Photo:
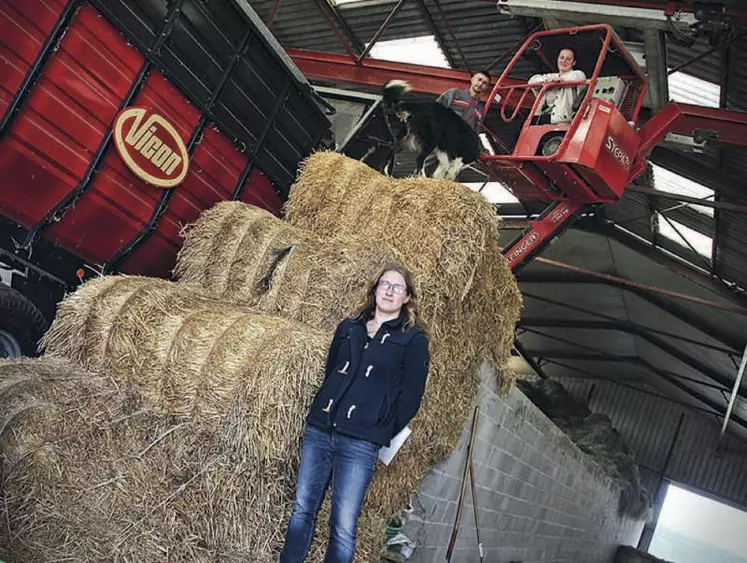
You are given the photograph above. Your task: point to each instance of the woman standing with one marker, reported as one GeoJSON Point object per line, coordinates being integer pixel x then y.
{"type": "Point", "coordinates": [374, 381]}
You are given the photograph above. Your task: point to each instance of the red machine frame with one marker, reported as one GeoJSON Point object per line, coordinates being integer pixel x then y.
{"type": "Point", "coordinates": [602, 150]}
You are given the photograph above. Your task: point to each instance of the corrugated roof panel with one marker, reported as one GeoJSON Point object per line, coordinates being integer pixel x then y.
{"type": "Point", "coordinates": [689, 89]}
{"type": "Point", "coordinates": [707, 68]}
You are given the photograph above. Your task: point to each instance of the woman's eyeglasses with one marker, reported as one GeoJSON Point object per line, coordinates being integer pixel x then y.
{"type": "Point", "coordinates": [397, 288]}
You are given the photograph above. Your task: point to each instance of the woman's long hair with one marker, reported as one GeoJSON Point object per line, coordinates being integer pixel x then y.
{"type": "Point", "coordinates": [367, 308]}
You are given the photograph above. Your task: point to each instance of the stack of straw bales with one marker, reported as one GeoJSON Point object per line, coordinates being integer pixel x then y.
{"type": "Point", "coordinates": [190, 441]}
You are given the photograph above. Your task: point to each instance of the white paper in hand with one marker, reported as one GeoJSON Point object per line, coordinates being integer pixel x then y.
{"type": "Point", "coordinates": [386, 454]}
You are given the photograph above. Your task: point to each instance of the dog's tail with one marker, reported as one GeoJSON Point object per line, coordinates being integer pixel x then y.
{"type": "Point", "coordinates": [393, 91]}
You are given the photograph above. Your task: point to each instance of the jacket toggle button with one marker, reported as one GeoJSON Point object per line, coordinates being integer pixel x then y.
{"type": "Point", "coordinates": [368, 370]}
{"type": "Point", "coordinates": [383, 338]}
{"type": "Point", "coordinates": [350, 411]}
{"type": "Point", "coordinates": [329, 406]}
{"type": "Point", "coordinates": [344, 370]}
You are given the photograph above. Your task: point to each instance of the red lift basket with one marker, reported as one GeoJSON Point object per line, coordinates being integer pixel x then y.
{"type": "Point", "coordinates": [600, 148]}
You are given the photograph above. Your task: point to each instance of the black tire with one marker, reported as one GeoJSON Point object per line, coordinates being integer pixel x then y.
{"type": "Point", "coordinates": [22, 324]}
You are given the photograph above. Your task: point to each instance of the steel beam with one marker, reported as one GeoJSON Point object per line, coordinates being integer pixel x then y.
{"type": "Point", "coordinates": [552, 356]}
{"type": "Point", "coordinates": [437, 34]}
{"type": "Point", "coordinates": [687, 199]}
{"type": "Point", "coordinates": [680, 313]}
{"type": "Point", "coordinates": [324, 9]}
{"type": "Point", "coordinates": [627, 326]}
{"type": "Point", "coordinates": [626, 282]}
{"type": "Point", "coordinates": [630, 10]}
{"type": "Point", "coordinates": [373, 73]}
{"type": "Point", "coordinates": [452, 33]}
{"type": "Point", "coordinates": [656, 68]}
{"type": "Point", "coordinates": [689, 272]}
{"type": "Point", "coordinates": [730, 126]}
{"type": "Point", "coordinates": [590, 375]}
{"type": "Point", "coordinates": [724, 383]}
{"type": "Point", "coordinates": [381, 30]}
{"type": "Point", "coordinates": [273, 14]}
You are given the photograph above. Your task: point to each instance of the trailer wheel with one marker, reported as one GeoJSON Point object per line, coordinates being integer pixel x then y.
{"type": "Point", "coordinates": [21, 324]}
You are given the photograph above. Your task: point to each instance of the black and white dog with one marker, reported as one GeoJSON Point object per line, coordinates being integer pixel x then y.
{"type": "Point", "coordinates": [428, 127]}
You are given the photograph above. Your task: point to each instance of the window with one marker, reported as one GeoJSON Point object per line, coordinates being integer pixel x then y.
{"type": "Point", "coordinates": [690, 90]}
{"type": "Point", "coordinates": [671, 182]}
{"type": "Point", "coordinates": [422, 50]}
{"type": "Point", "coordinates": [694, 528]}
{"type": "Point", "coordinates": [682, 234]}
{"type": "Point", "coordinates": [494, 192]}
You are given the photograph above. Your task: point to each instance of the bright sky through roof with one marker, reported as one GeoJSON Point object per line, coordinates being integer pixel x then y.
{"type": "Point", "coordinates": [671, 182]}
{"type": "Point", "coordinates": [414, 50]}
{"type": "Point", "coordinates": [690, 90]}
{"type": "Point", "coordinates": [676, 231]}
{"type": "Point", "coordinates": [705, 520]}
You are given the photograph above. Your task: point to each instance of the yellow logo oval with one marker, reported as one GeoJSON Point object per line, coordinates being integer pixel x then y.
{"type": "Point", "coordinates": [151, 147]}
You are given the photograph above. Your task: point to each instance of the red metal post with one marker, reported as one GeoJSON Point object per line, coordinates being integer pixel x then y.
{"type": "Point", "coordinates": [381, 30]}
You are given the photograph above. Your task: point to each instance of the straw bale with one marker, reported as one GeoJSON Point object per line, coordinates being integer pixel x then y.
{"type": "Point", "coordinates": [194, 356]}
{"type": "Point", "coordinates": [438, 225]}
{"type": "Point", "coordinates": [91, 472]}
{"type": "Point", "coordinates": [247, 378]}
{"type": "Point", "coordinates": [277, 268]}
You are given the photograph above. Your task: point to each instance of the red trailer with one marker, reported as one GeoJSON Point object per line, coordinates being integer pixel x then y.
{"type": "Point", "coordinates": [122, 120]}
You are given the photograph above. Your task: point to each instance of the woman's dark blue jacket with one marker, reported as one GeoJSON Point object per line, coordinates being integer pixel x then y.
{"type": "Point", "coordinates": [372, 390]}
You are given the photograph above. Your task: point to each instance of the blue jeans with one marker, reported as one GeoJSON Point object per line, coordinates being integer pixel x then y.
{"type": "Point", "coordinates": [348, 464]}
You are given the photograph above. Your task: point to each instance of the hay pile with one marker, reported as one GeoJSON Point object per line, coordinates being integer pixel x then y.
{"type": "Point", "coordinates": [594, 434]}
{"type": "Point", "coordinates": [447, 234]}
{"type": "Point", "coordinates": [223, 390]}
{"type": "Point", "coordinates": [242, 254]}
{"type": "Point", "coordinates": [193, 356]}
{"type": "Point", "coordinates": [91, 471]}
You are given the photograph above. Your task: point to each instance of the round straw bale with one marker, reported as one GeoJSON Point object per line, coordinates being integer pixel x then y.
{"type": "Point", "coordinates": [277, 268]}
{"type": "Point", "coordinates": [93, 473]}
{"type": "Point", "coordinates": [440, 227]}
{"type": "Point", "coordinates": [194, 356]}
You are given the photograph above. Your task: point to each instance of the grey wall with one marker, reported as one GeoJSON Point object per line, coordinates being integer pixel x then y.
{"type": "Point", "coordinates": [649, 426]}
{"type": "Point", "coordinates": [539, 497]}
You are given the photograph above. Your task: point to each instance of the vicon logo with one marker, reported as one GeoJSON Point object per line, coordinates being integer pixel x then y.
{"type": "Point", "coordinates": [151, 147]}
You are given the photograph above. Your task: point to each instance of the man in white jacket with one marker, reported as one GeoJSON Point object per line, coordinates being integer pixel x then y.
{"type": "Point", "coordinates": [557, 104]}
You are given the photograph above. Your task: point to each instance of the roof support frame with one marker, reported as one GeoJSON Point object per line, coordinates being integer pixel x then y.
{"type": "Point", "coordinates": [719, 410]}
{"type": "Point", "coordinates": [437, 35]}
{"type": "Point", "coordinates": [608, 228]}
{"type": "Point", "coordinates": [669, 307]}
{"type": "Point", "coordinates": [591, 375]}
{"type": "Point", "coordinates": [382, 29]}
{"type": "Point", "coordinates": [332, 18]}
{"type": "Point", "coordinates": [724, 383]}
{"type": "Point", "coordinates": [452, 33]}
{"type": "Point", "coordinates": [627, 326]}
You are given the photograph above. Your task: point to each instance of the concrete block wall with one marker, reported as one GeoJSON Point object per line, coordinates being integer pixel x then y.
{"type": "Point", "coordinates": [540, 498]}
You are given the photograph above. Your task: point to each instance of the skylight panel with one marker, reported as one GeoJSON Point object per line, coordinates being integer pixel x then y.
{"type": "Point", "coordinates": [422, 50]}
{"type": "Point", "coordinates": [671, 182]}
{"type": "Point", "coordinates": [690, 90]}
{"type": "Point", "coordinates": [494, 192]}
{"type": "Point", "coordinates": [682, 235]}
